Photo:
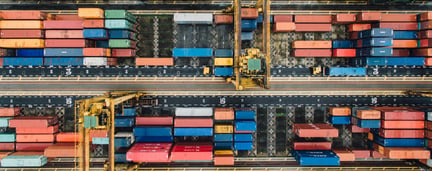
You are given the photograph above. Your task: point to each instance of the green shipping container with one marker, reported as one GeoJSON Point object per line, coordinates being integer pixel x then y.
{"type": "Point", "coordinates": [120, 43]}
{"type": "Point", "coordinates": [90, 121]}
{"type": "Point", "coordinates": [7, 137]}
{"type": "Point", "coordinates": [4, 121]}
{"type": "Point", "coordinates": [119, 24]}
{"type": "Point", "coordinates": [119, 14]}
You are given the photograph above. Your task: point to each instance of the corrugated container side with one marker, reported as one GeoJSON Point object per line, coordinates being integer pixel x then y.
{"type": "Point", "coordinates": [154, 61]}
{"type": "Point", "coordinates": [313, 27]}
{"type": "Point", "coordinates": [344, 18]}
{"type": "Point", "coordinates": [32, 146]}
{"type": "Point", "coordinates": [313, 18]}
{"type": "Point", "coordinates": [70, 52]}
{"type": "Point", "coordinates": [21, 33]}
{"type": "Point", "coordinates": [9, 111]}
{"type": "Point", "coordinates": [192, 18]}
{"type": "Point", "coordinates": [398, 26]}
{"type": "Point", "coordinates": [223, 19]}
{"type": "Point", "coordinates": [23, 15]}
{"type": "Point", "coordinates": [63, 24]}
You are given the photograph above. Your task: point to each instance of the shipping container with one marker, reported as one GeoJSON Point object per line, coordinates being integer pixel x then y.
{"type": "Point", "coordinates": [120, 14]}
{"type": "Point", "coordinates": [42, 130]}
{"type": "Point", "coordinates": [366, 113]}
{"type": "Point", "coordinates": [376, 154]}
{"type": "Point", "coordinates": [398, 35]}
{"type": "Point", "coordinates": [23, 15]}
{"type": "Point", "coordinates": [344, 18]}
{"type": "Point", "coordinates": [368, 16]}
{"type": "Point", "coordinates": [346, 71]}
{"type": "Point", "coordinates": [315, 130]}
{"type": "Point", "coordinates": [313, 27]}
{"type": "Point", "coordinates": [17, 61]}
{"type": "Point", "coordinates": [63, 24]}
{"type": "Point", "coordinates": [119, 24]}
{"type": "Point", "coordinates": [312, 145]}
{"type": "Point", "coordinates": [223, 61]}
{"type": "Point", "coordinates": [121, 34]}
{"type": "Point", "coordinates": [152, 131]}
{"type": "Point", "coordinates": [366, 123]}
{"type": "Point", "coordinates": [123, 52]}
{"type": "Point", "coordinates": [21, 34]}
{"type": "Point", "coordinates": [428, 61]}
{"type": "Point", "coordinates": [398, 17]}
{"type": "Point", "coordinates": [7, 52]}
{"type": "Point", "coordinates": [223, 160]}
{"type": "Point", "coordinates": [359, 27]}
{"type": "Point", "coordinates": [100, 140]}
{"type": "Point", "coordinates": [223, 19]}
{"type": "Point", "coordinates": [422, 52]}
{"type": "Point", "coordinates": [340, 111]}
{"type": "Point", "coordinates": [224, 146]}
{"type": "Point", "coordinates": [389, 133]}
{"type": "Point", "coordinates": [425, 34]}
{"type": "Point", "coordinates": [223, 138]}
{"type": "Point", "coordinates": [361, 153]}
{"type": "Point", "coordinates": [316, 158]}
{"type": "Point", "coordinates": [399, 142]}
{"type": "Point", "coordinates": [193, 131]}
{"type": "Point", "coordinates": [96, 52]}
{"type": "Point", "coordinates": [61, 151]}
{"type": "Point", "coordinates": [72, 52]}
{"type": "Point", "coordinates": [375, 42]}
{"type": "Point", "coordinates": [21, 24]}
{"type": "Point", "coordinates": [398, 26]}
{"type": "Point", "coordinates": [7, 146]}
{"type": "Point", "coordinates": [94, 23]}
{"type": "Point", "coordinates": [159, 139]}
{"type": "Point", "coordinates": [243, 137]}
{"type": "Point", "coordinates": [356, 129]}
{"type": "Point", "coordinates": [284, 27]}
{"type": "Point", "coordinates": [193, 111]}
{"type": "Point", "coordinates": [247, 35]}
{"type": "Point", "coordinates": [245, 126]}
{"type": "Point", "coordinates": [9, 111]}
{"type": "Point", "coordinates": [193, 122]}
{"type": "Point", "coordinates": [192, 52]}
{"type": "Point", "coordinates": [340, 120]}
{"type": "Point", "coordinates": [343, 44]}
{"type": "Point", "coordinates": [406, 153]}
{"type": "Point", "coordinates": [261, 18]}
{"type": "Point", "coordinates": [124, 139]}
{"type": "Point", "coordinates": [22, 43]}
{"type": "Point", "coordinates": [313, 18]}
{"type": "Point", "coordinates": [24, 161]}
{"type": "Point", "coordinates": [154, 120]}
{"type": "Point", "coordinates": [193, 18]}
{"type": "Point", "coordinates": [66, 43]}
{"type": "Point", "coordinates": [30, 52]}
{"type": "Point", "coordinates": [223, 113]}
{"type": "Point", "coordinates": [91, 33]}
{"type": "Point", "coordinates": [90, 13]}
{"type": "Point", "coordinates": [243, 145]}
{"type": "Point", "coordinates": [404, 44]}
{"type": "Point", "coordinates": [32, 146]}
{"type": "Point", "coordinates": [376, 32]}
{"type": "Point", "coordinates": [402, 124]}
{"type": "Point", "coordinates": [149, 152]}
{"type": "Point", "coordinates": [312, 53]}
{"type": "Point", "coordinates": [35, 137]}
{"type": "Point", "coordinates": [354, 36]}
{"type": "Point", "coordinates": [33, 122]}
{"type": "Point", "coordinates": [344, 154]}
{"type": "Point", "coordinates": [310, 44]}
{"type": "Point", "coordinates": [64, 34]}
{"type": "Point", "coordinates": [397, 114]}
{"type": "Point", "coordinates": [427, 25]}
{"type": "Point", "coordinates": [223, 129]}
{"type": "Point", "coordinates": [223, 53]}
{"type": "Point", "coordinates": [248, 25]}
{"type": "Point", "coordinates": [67, 137]}
{"type": "Point", "coordinates": [425, 43]}
{"type": "Point", "coordinates": [344, 52]}
{"type": "Point", "coordinates": [4, 122]}
{"type": "Point", "coordinates": [283, 18]}
{"type": "Point", "coordinates": [63, 61]}
{"type": "Point", "coordinates": [95, 61]}
{"type": "Point", "coordinates": [154, 61]}
{"type": "Point", "coordinates": [375, 51]}
{"type": "Point", "coordinates": [249, 13]}
{"type": "Point", "coordinates": [425, 16]}
{"type": "Point", "coordinates": [194, 153]}
{"type": "Point", "coordinates": [124, 121]}
{"type": "Point", "coordinates": [245, 114]}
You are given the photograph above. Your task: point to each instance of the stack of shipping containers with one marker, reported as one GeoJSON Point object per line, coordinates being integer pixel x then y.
{"type": "Point", "coordinates": [223, 138]}
{"type": "Point", "coordinates": [223, 58]}
{"type": "Point", "coordinates": [245, 127]}
{"type": "Point", "coordinates": [425, 36]}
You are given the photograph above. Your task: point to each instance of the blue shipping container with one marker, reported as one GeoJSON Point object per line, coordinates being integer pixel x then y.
{"type": "Point", "coordinates": [376, 32]}
{"type": "Point", "coordinates": [223, 137]}
{"type": "Point", "coordinates": [62, 61]}
{"type": "Point", "coordinates": [63, 52]}
{"type": "Point", "coordinates": [223, 146]}
{"type": "Point", "coordinates": [245, 126]}
{"type": "Point", "coordinates": [399, 142]}
{"type": "Point", "coordinates": [4, 121]}
{"type": "Point", "coordinates": [368, 123]}
{"type": "Point", "coordinates": [343, 44]}
{"type": "Point", "coordinates": [122, 141]}
{"type": "Point", "coordinates": [192, 52]}
{"type": "Point", "coordinates": [18, 61]}
{"type": "Point", "coordinates": [124, 122]}
{"type": "Point", "coordinates": [375, 52]}
{"type": "Point", "coordinates": [246, 35]}
{"type": "Point", "coordinates": [223, 53]}
{"type": "Point", "coordinates": [347, 71]}
{"type": "Point", "coordinates": [223, 71]}
{"type": "Point", "coordinates": [376, 42]}
{"type": "Point", "coordinates": [400, 35]}
{"type": "Point", "coordinates": [316, 158]}
{"type": "Point", "coordinates": [340, 120]}
{"type": "Point", "coordinates": [127, 112]}
{"type": "Point", "coordinates": [102, 43]}
{"type": "Point", "coordinates": [152, 131]}
{"type": "Point", "coordinates": [29, 52]}
{"type": "Point", "coordinates": [406, 61]}
{"type": "Point", "coordinates": [248, 25]}
{"type": "Point", "coordinates": [24, 161]}
{"type": "Point", "coordinates": [120, 157]}
{"type": "Point", "coordinates": [261, 18]}
{"type": "Point", "coordinates": [193, 131]}
{"type": "Point", "coordinates": [142, 139]}
{"type": "Point", "coordinates": [95, 33]}
{"type": "Point", "coordinates": [245, 115]}
{"type": "Point", "coordinates": [120, 34]}
{"type": "Point", "coordinates": [243, 137]}
{"type": "Point", "coordinates": [243, 146]}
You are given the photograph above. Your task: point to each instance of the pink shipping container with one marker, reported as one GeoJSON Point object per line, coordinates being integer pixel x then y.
{"type": "Point", "coordinates": [192, 153]}
{"type": "Point", "coordinates": [33, 121]}
{"type": "Point", "coordinates": [32, 146]}
{"type": "Point", "coordinates": [64, 34]}
{"type": "Point", "coordinates": [7, 146]}
{"type": "Point", "coordinates": [149, 152]}
{"type": "Point", "coordinates": [9, 111]}
{"type": "Point", "coordinates": [313, 18]}
{"type": "Point", "coordinates": [361, 153]}
{"type": "Point", "coordinates": [63, 24]}
{"type": "Point", "coordinates": [397, 114]}
{"type": "Point", "coordinates": [356, 129]}
{"type": "Point", "coordinates": [35, 138]}
{"type": "Point", "coordinates": [193, 122]}
{"type": "Point", "coordinates": [69, 43]}
{"type": "Point", "coordinates": [21, 33]}
{"type": "Point", "coordinates": [344, 18]}
{"type": "Point", "coordinates": [45, 130]}
{"type": "Point", "coordinates": [315, 130]}
{"type": "Point", "coordinates": [155, 120]}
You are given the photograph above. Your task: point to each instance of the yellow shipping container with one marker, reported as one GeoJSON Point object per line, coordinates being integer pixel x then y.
{"type": "Point", "coordinates": [22, 43]}
{"type": "Point", "coordinates": [221, 129]}
{"type": "Point", "coordinates": [21, 24]}
{"type": "Point", "coordinates": [90, 13]}
{"type": "Point", "coordinates": [223, 152]}
{"type": "Point", "coordinates": [223, 61]}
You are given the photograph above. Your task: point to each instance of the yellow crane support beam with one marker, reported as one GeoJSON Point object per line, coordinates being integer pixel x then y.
{"type": "Point", "coordinates": [266, 39]}
{"type": "Point", "coordinates": [237, 42]}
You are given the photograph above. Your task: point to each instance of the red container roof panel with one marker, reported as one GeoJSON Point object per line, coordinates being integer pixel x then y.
{"type": "Point", "coordinates": [64, 34]}
{"type": "Point", "coordinates": [344, 18]}
{"type": "Point", "coordinates": [223, 19]}
{"type": "Point", "coordinates": [368, 114]}
{"type": "Point", "coordinates": [35, 138]}
{"type": "Point", "coordinates": [315, 130]}
{"type": "Point", "coordinates": [313, 27]}
{"type": "Point", "coordinates": [283, 18]}
{"type": "Point", "coordinates": [123, 52]}
{"type": "Point", "coordinates": [249, 13]}
{"type": "Point", "coordinates": [94, 23]}
{"type": "Point", "coordinates": [63, 24]}
{"type": "Point", "coordinates": [27, 153]}
{"type": "Point", "coordinates": [428, 125]}
{"type": "Point", "coordinates": [154, 120]}
{"type": "Point", "coordinates": [33, 122]}
{"type": "Point", "coordinates": [69, 43]}
{"type": "Point", "coordinates": [7, 146]}
{"type": "Point", "coordinates": [426, 43]}
{"type": "Point", "coordinates": [193, 122]}
{"type": "Point", "coordinates": [46, 130]}
{"type": "Point", "coordinates": [312, 145]}
{"type": "Point", "coordinates": [284, 26]}
{"type": "Point", "coordinates": [398, 17]}
{"type": "Point", "coordinates": [391, 133]}
{"type": "Point", "coordinates": [344, 52]}
{"type": "Point", "coordinates": [149, 152]}
{"type": "Point", "coordinates": [313, 18]}
{"type": "Point", "coordinates": [359, 27]}
{"type": "Point", "coordinates": [408, 114]}
{"type": "Point", "coordinates": [402, 124]}
{"type": "Point", "coordinates": [9, 111]}
{"type": "Point", "coordinates": [369, 16]}
{"type": "Point", "coordinates": [154, 61]}
{"type": "Point", "coordinates": [32, 146]}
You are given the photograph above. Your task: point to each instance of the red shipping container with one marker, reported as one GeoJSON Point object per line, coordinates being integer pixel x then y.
{"type": "Point", "coordinates": [96, 52]}
{"type": "Point", "coordinates": [426, 25]}
{"type": "Point", "coordinates": [359, 27]}
{"type": "Point", "coordinates": [401, 52]}
{"type": "Point", "coordinates": [149, 152]}
{"type": "Point", "coordinates": [428, 61]}
{"type": "Point", "coordinates": [422, 52]}
{"type": "Point", "coordinates": [63, 24]}
{"type": "Point", "coordinates": [32, 146]}
{"type": "Point", "coordinates": [376, 154]}
{"type": "Point", "coordinates": [312, 145]}
{"type": "Point", "coordinates": [425, 43]}
{"type": "Point", "coordinates": [402, 124]}
{"type": "Point", "coordinates": [428, 125]}
{"type": "Point", "coordinates": [154, 120]}
{"type": "Point", "coordinates": [428, 134]}
{"type": "Point", "coordinates": [7, 146]}
{"type": "Point", "coordinates": [429, 143]}
{"type": "Point", "coordinates": [78, 43]}
{"type": "Point", "coordinates": [354, 35]}
{"type": "Point", "coordinates": [404, 44]}
{"type": "Point", "coordinates": [344, 52]}
{"type": "Point", "coordinates": [23, 15]}
{"type": "Point", "coordinates": [398, 17]}
{"type": "Point", "coordinates": [396, 114]}
{"type": "Point", "coordinates": [1, 61]}
{"type": "Point", "coordinates": [98, 133]}
{"type": "Point", "coordinates": [315, 130]}
{"type": "Point", "coordinates": [193, 122]}
{"type": "Point", "coordinates": [45, 130]}
{"type": "Point", "coordinates": [191, 154]}
{"type": "Point", "coordinates": [33, 121]}
{"type": "Point", "coordinates": [406, 153]}
{"type": "Point", "coordinates": [313, 18]}
{"type": "Point", "coordinates": [391, 133]}
{"type": "Point", "coordinates": [154, 61]}
{"type": "Point", "coordinates": [425, 34]}
{"type": "Point", "coordinates": [9, 111]}
{"type": "Point", "coordinates": [94, 23]}
{"type": "Point", "coordinates": [249, 13]}
{"type": "Point", "coordinates": [361, 153]}
{"type": "Point", "coordinates": [223, 19]}
{"type": "Point", "coordinates": [61, 151]}
{"type": "Point", "coordinates": [284, 26]}
{"type": "Point", "coordinates": [356, 129]}
{"type": "Point", "coordinates": [312, 53]}
{"type": "Point", "coordinates": [64, 34]}
{"type": "Point", "coordinates": [67, 17]}
{"type": "Point", "coordinates": [312, 44]}
{"type": "Point", "coordinates": [344, 154]}
{"type": "Point", "coordinates": [26, 153]}
{"type": "Point", "coordinates": [393, 108]}
{"type": "Point", "coordinates": [283, 18]}
{"type": "Point", "coordinates": [344, 18]}
{"type": "Point", "coordinates": [67, 137]}
{"type": "Point", "coordinates": [398, 26]}
{"type": "Point", "coordinates": [123, 52]}
{"type": "Point", "coordinates": [35, 137]}
{"type": "Point", "coordinates": [313, 27]}
{"type": "Point", "coordinates": [21, 34]}
{"type": "Point", "coordinates": [426, 16]}
{"type": "Point", "coordinates": [369, 16]}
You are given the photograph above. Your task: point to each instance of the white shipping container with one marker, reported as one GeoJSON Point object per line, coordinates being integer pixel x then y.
{"type": "Point", "coordinates": [193, 18]}
{"type": "Point", "coordinates": [95, 61]}
{"type": "Point", "coordinates": [194, 111]}
{"type": "Point", "coordinates": [429, 116]}
{"type": "Point", "coordinates": [126, 134]}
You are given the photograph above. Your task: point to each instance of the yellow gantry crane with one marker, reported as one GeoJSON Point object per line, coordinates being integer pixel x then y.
{"type": "Point", "coordinates": [97, 113]}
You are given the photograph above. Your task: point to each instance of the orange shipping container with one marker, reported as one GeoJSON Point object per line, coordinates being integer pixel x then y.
{"type": "Point", "coordinates": [22, 43]}
{"type": "Point", "coordinates": [283, 18]}
{"type": "Point", "coordinates": [67, 17]}
{"type": "Point", "coordinates": [368, 114]}
{"type": "Point", "coordinates": [425, 34]}
{"type": "Point", "coordinates": [44, 130]}
{"type": "Point", "coordinates": [344, 154]}
{"type": "Point", "coordinates": [312, 44]}
{"type": "Point", "coordinates": [404, 44]}
{"type": "Point", "coordinates": [22, 34]}
{"type": "Point", "coordinates": [398, 17]}
{"type": "Point", "coordinates": [359, 27]}
{"type": "Point", "coordinates": [284, 26]}
{"type": "Point", "coordinates": [223, 19]}
{"type": "Point", "coordinates": [67, 137]}
{"type": "Point", "coordinates": [428, 61]}
{"type": "Point", "coordinates": [402, 124]}
{"type": "Point", "coordinates": [94, 23]}
{"type": "Point", "coordinates": [312, 53]}
{"type": "Point", "coordinates": [313, 27]}
{"type": "Point", "coordinates": [344, 18]}
{"type": "Point", "coordinates": [224, 160]}
{"type": "Point", "coordinates": [344, 52]}
{"type": "Point", "coordinates": [398, 26]}
{"type": "Point", "coordinates": [96, 52]}
{"type": "Point", "coordinates": [98, 133]}
{"type": "Point", "coordinates": [340, 111]}
{"type": "Point", "coordinates": [426, 16]}
{"type": "Point", "coordinates": [313, 18]}
{"type": "Point", "coordinates": [224, 114]}
{"type": "Point", "coordinates": [35, 137]}
{"type": "Point", "coordinates": [61, 151]}
{"type": "Point", "coordinates": [154, 61]}
{"type": "Point", "coordinates": [21, 24]}
{"type": "Point", "coordinates": [23, 15]}
{"type": "Point", "coordinates": [422, 52]}
{"type": "Point", "coordinates": [249, 13]}
{"type": "Point", "coordinates": [406, 153]}
{"type": "Point", "coordinates": [369, 16]}
{"type": "Point", "coordinates": [64, 34]}
{"type": "Point", "coordinates": [91, 13]}
{"type": "Point", "coordinates": [9, 111]}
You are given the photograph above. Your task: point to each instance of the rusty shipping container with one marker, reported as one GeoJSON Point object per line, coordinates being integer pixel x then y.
{"type": "Point", "coordinates": [223, 19]}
